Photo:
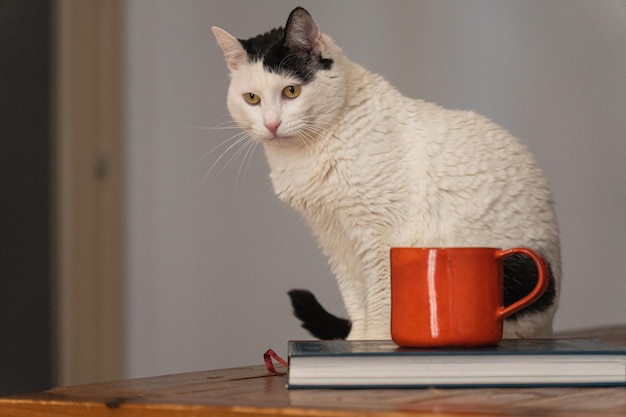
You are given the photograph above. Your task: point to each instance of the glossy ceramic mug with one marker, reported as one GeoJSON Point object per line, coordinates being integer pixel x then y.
{"type": "Point", "coordinates": [453, 296]}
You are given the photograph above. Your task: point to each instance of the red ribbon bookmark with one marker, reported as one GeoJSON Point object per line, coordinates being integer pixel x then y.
{"type": "Point", "coordinates": [269, 364]}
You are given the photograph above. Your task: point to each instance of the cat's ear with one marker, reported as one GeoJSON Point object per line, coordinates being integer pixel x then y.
{"type": "Point", "coordinates": [234, 53]}
{"type": "Point", "coordinates": [302, 35]}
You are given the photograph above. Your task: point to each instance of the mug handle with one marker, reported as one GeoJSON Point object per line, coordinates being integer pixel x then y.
{"type": "Point", "coordinates": [542, 281]}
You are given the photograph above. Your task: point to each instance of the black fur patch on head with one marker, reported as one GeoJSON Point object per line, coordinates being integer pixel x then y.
{"type": "Point", "coordinates": [520, 277]}
{"type": "Point", "coordinates": [273, 49]}
{"type": "Point", "coordinates": [257, 47]}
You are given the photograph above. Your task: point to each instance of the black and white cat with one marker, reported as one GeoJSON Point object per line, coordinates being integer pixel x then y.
{"type": "Point", "coordinates": [370, 169]}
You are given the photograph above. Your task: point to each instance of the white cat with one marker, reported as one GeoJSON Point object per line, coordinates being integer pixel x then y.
{"type": "Point", "coordinates": [370, 169]}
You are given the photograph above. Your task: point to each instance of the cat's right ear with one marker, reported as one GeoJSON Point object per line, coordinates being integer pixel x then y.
{"type": "Point", "coordinates": [234, 53]}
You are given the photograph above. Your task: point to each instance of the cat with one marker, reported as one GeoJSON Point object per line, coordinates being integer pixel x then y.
{"type": "Point", "coordinates": [370, 169]}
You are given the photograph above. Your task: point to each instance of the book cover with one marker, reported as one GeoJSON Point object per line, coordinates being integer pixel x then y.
{"type": "Point", "coordinates": [528, 362]}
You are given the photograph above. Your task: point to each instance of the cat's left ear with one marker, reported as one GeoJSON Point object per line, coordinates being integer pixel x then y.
{"type": "Point", "coordinates": [234, 53]}
{"type": "Point", "coordinates": [302, 35]}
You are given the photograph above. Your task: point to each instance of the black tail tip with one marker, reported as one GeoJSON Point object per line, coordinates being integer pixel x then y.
{"type": "Point", "coordinates": [315, 319]}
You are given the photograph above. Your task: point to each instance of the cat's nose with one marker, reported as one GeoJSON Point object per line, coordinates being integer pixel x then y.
{"type": "Point", "coordinates": [272, 126]}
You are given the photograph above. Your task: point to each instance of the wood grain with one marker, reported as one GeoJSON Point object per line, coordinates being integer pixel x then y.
{"type": "Point", "coordinates": [251, 391]}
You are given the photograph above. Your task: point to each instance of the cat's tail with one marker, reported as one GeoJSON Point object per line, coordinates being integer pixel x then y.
{"type": "Point", "coordinates": [319, 322]}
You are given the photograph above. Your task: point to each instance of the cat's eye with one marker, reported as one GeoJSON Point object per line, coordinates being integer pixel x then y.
{"type": "Point", "coordinates": [252, 98]}
{"type": "Point", "coordinates": [292, 91]}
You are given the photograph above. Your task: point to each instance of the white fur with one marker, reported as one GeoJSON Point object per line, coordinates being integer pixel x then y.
{"type": "Point", "coordinates": [370, 169]}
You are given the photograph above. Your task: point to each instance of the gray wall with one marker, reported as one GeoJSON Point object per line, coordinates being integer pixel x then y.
{"type": "Point", "coordinates": [211, 256]}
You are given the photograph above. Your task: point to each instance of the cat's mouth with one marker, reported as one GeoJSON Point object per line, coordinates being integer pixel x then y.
{"type": "Point", "coordinates": [274, 137]}
{"type": "Point", "coordinates": [285, 141]}
{"type": "Point", "coordinates": [281, 139]}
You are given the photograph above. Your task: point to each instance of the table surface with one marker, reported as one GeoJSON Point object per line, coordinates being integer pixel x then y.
{"type": "Point", "coordinates": [250, 391]}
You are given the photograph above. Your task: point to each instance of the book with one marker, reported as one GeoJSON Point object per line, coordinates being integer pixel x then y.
{"type": "Point", "coordinates": [511, 363]}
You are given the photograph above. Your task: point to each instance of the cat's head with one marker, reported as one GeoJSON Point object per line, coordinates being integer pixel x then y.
{"type": "Point", "coordinates": [286, 85]}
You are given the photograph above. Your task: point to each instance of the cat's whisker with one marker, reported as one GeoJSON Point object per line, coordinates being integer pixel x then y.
{"type": "Point", "coordinates": [222, 126]}
{"type": "Point", "coordinates": [249, 154]}
{"type": "Point", "coordinates": [244, 136]}
{"type": "Point", "coordinates": [228, 123]}
{"type": "Point", "coordinates": [235, 137]}
{"type": "Point", "coordinates": [333, 121]}
{"type": "Point", "coordinates": [238, 152]}
{"type": "Point", "coordinates": [304, 138]}
{"type": "Point", "coordinates": [216, 128]}
{"type": "Point", "coordinates": [314, 129]}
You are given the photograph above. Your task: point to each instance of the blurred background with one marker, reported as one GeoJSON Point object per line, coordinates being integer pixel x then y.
{"type": "Point", "coordinates": [135, 241]}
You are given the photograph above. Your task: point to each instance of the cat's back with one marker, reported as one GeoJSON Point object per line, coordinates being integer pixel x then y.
{"type": "Point", "coordinates": [467, 169]}
{"type": "Point", "coordinates": [446, 136]}
{"type": "Point", "coordinates": [461, 143]}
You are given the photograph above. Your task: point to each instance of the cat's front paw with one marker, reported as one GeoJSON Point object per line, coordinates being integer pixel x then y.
{"type": "Point", "coordinates": [379, 334]}
{"type": "Point", "coordinates": [372, 332]}
{"type": "Point", "coordinates": [358, 331]}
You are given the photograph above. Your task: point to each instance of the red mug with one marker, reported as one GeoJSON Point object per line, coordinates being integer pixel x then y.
{"type": "Point", "coordinates": [453, 296]}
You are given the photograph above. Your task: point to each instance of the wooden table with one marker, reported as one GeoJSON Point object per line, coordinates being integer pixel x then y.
{"type": "Point", "coordinates": [251, 391]}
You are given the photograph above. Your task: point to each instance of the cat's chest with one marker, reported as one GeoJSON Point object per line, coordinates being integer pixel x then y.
{"type": "Point", "coordinates": [352, 182]}
{"type": "Point", "coordinates": [310, 182]}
